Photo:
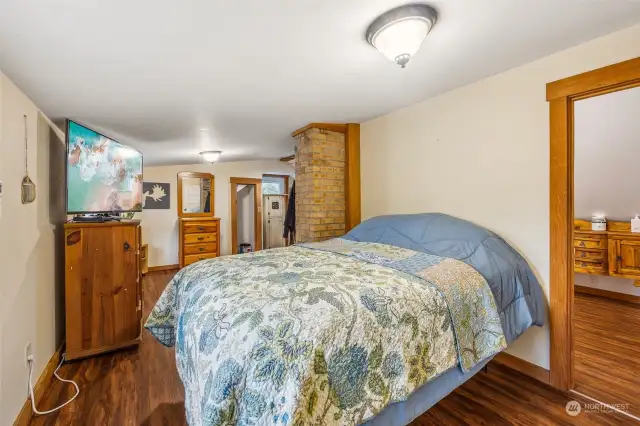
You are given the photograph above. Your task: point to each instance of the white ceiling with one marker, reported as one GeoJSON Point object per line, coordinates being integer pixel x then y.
{"type": "Point", "coordinates": [153, 73]}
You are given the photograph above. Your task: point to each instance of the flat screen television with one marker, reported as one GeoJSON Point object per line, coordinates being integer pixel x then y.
{"type": "Point", "coordinates": [103, 176]}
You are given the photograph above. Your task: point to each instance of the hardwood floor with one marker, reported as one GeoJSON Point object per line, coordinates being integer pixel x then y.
{"type": "Point", "coordinates": [141, 387]}
{"type": "Point", "coordinates": [607, 350]}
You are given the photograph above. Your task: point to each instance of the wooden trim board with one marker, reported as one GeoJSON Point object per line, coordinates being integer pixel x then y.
{"type": "Point", "coordinates": [611, 78]}
{"type": "Point", "coordinates": [352, 177]}
{"type": "Point", "coordinates": [561, 244]}
{"type": "Point", "coordinates": [332, 127]}
{"type": "Point", "coordinates": [25, 415]}
{"type": "Point", "coordinates": [257, 211]}
{"type": "Point", "coordinates": [561, 95]}
{"type": "Point", "coordinates": [524, 367]}
{"type": "Point", "coordinates": [608, 294]}
{"type": "Point", "coordinates": [163, 268]}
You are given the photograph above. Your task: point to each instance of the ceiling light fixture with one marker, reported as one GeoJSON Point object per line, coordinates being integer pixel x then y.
{"type": "Point", "coordinates": [399, 33]}
{"type": "Point", "coordinates": [210, 156]}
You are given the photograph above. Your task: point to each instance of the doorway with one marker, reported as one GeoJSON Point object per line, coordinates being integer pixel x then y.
{"type": "Point", "coordinates": [606, 317]}
{"type": "Point", "coordinates": [275, 194]}
{"type": "Point", "coordinates": [562, 96]}
{"type": "Point", "coordinates": [246, 214]}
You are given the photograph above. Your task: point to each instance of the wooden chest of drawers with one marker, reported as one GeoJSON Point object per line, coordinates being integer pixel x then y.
{"type": "Point", "coordinates": [614, 252]}
{"type": "Point", "coordinates": [199, 239]}
{"type": "Point", "coordinates": [590, 252]}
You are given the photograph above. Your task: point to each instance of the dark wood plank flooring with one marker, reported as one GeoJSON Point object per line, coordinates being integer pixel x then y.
{"type": "Point", "coordinates": [607, 350]}
{"type": "Point", "coordinates": [142, 387]}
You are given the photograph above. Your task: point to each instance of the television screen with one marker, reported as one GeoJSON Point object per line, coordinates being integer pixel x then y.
{"type": "Point", "coordinates": [103, 176]}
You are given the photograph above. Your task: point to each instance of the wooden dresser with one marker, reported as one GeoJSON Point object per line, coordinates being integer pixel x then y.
{"type": "Point", "coordinates": [199, 239]}
{"type": "Point", "coordinates": [614, 252]}
{"type": "Point", "coordinates": [103, 292]}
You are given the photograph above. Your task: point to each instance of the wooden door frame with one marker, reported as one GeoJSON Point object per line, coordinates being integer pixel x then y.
{"type": "Point", "coordinates": [257, 211]}
{"type": "Point", "coordinates": [561, 96]}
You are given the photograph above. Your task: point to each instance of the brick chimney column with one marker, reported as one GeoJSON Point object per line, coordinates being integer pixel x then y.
{"type": "Point", "coordinates": [320, 189]}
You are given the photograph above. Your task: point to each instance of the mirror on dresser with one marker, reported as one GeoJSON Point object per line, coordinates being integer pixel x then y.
{"type": "Point", "coordinates": [199, 230]}
{"type": "Point", "coordinates": [195, 194]}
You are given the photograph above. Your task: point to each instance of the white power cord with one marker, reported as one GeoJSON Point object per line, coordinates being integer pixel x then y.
{"type": "Point", "coordinates": [55, 373]}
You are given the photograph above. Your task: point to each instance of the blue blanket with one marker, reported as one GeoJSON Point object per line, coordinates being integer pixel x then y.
{"type": "Point", "coordinates": [521, 302]}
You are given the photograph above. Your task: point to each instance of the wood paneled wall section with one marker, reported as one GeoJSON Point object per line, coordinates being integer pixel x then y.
{"type": "Point", "coordinates": [352, 176]}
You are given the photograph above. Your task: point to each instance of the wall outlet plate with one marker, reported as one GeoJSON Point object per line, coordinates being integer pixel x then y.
{"type": "Point", "coordinates": [27, 354]}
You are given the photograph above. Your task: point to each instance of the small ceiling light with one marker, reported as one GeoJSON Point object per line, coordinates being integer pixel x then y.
{"type": "Point", "coordinates": [210, 156]}
{"type": "Point", "coordinates": [399, 33]}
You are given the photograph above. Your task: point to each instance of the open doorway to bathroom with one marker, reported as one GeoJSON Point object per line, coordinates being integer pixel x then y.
{"type": "Point", "coordinates": [606, 308]}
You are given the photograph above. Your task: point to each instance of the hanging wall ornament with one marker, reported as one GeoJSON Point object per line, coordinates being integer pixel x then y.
{"type": "Point", "coordinates": [28, 187]}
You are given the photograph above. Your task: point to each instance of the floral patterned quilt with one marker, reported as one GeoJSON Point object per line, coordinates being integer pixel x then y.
{"type": "Point", "coordinates": [321, 333]}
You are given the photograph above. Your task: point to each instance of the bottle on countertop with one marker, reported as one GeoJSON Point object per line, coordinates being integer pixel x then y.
{"type": "Point", "coordinates": [635, 224]}
{"type": "Point", "coordinates": [598, 223]}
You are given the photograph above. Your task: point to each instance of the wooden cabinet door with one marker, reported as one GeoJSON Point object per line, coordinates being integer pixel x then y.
{"type": "Point", "coordinates": [624, 257]}
{"type": "Point", "coordinates": [102, 288]}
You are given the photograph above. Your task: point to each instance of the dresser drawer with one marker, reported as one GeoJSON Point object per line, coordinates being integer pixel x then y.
{"type": "Point", "coordinates": [590, 267]}
{"type": "Point", "coordinates": [200, 248]}
{"type": "Point", "coordinates": [199, 227]}
{"type": "Point", "coordinates": [188, 260]}
{"type": "Point", "coordinates": [590, 242]}
{"type": "Point", "coordinates": [589, 256]}
{"type": "Point", "coordinates": [200, 238]}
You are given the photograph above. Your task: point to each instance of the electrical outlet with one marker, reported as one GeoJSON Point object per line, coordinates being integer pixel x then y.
{"type": "Point", "coordinates": [28, 354]}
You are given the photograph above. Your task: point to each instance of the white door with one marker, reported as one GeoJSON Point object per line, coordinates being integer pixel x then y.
{"type": "Point", "coordinates": [274, 214]}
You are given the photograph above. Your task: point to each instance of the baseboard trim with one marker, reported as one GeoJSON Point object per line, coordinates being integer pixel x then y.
{"type": "Point", "coordinates": [25, 415]}
{"type": "Point", "coordinates": [524, 367]}
{"type": "Point", "coordinates": [163, 268]}
{"type": "Point", "coordinates": [608, 294]}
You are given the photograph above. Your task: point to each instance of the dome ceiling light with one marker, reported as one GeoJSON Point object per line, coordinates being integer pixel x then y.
{"type": "Point", "coordinates": [210, 156]}
{"type": "Point", "coordinates": [399, 33]}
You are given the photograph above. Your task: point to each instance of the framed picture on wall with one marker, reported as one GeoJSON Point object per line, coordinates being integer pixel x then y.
{"type": "Point", "coordinates": [156, 196]}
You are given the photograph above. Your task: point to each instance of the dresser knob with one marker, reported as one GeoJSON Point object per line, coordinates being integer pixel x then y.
{"type": "Point", "coordinates": [200, 238]}
{"type": "Point", "coordinates": [201, 228]}
{"type": "Point", "coordinates": [619, 258]}
{"type": "Point", "coordinates": [201, 248]}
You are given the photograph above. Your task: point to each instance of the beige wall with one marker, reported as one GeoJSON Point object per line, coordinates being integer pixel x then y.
{"type": "Point", "coordinates": [159, 227]}
{"type": "Point", "coordinates": [30, 285]}
{"type": "Point", "coordinates": [481, 153]}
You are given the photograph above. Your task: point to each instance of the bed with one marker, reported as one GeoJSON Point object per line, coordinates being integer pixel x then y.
{"type": "Point", "coordinates": [372, 328]}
